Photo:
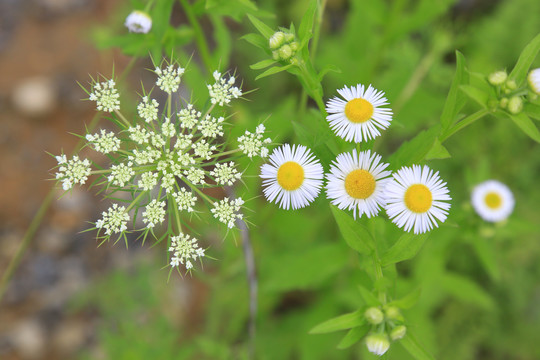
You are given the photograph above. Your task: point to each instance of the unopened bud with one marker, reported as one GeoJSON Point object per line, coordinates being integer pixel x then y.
{"type": "Point", "coordinates": [398, 332]}
{"type": "Point", "coordinates": [276, 40]}
{"type": "Point", "coordinates": [393, 313]}
{"type": "Point", "coordinates": [511, 85]}
{"type": "Point", "coordinates": [515, 105]}
{"type": "Point", "coordinates": [503, 103]}
{"type": "Point", "coordinates": [374, 315]}
{"type": "Point", "coordinates": [289, 37]}
{"type": "Point", "coordinates": [534, 80]}
{"type": "Point", "coordinates": [377, 344]}
{"type": "Point", "coordinates": [285, 52]}
{"type": "Point", "coordinates": [294, 46]}
{"type": "Point", "coordinates": [497, 78]}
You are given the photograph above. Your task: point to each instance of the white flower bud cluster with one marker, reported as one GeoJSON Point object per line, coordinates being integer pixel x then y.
{"type": "Point", "coordinates": [253, 144]}
{"type": "Point", "coordinates": [154, 214]}
{"type": "Point", "coordinates": [74, 171]}
{"type": "Point", "coordinates": [106, 96]}
{"type": "Point", "coordinates": [227, 211]}
{"type": "Point", "coordinates": [104, 142]}
{"type": "Point", "coordinates": [169, 78]}
{"type": "Point", "coordinates": [184, 249]}
{"type": "Point", "coordinates": [114, 220]}
{"type": "Point", "coordinates": [223, 90]}
{"type": "Point", "coordinates": [283, 46]}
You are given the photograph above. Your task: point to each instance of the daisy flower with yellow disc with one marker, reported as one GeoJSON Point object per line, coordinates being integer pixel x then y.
{"type": "Point", "coordinates": [356, 182]}
{"type": "Point", "coordinates": [293, 178]}
{"type": "Point", "coordinates": [360, 114]}
{"type": "Point", "coordinates": [492, 200]}
{"type": "Point", "coordinates": [416, 199]}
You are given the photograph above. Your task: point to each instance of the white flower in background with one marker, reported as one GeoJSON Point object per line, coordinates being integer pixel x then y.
{"type": "Point", "coordinates": [148, 110]}
{"type": "Point", "coordinates": [227, 211]}
{"type": "Point", "coordinates": [203, 149]}
{"type": "Point", "coordinates": [184, 249]}
{"type": "Point", "coordinates": [492, 200]}
{"type": "Point", "coordinates": [377, 344]}
{"type": "Point", "coordinates": [148, 180]}
{"type": "Point", "coordinates": [114, 220]}
{"type": "Point", "coordinates": [225, 174]}
{"type": "Point", "coordinates": [74, 171]}
{"type": "Point", "coordinates": [154, 214]}
{"type": "Point", "coordinates": [195, 175]}
{"type": "Point", "coordinates": [293, 178]}
{"type": "Point", "coordinates": [121, 174]}
{"type": "Point", "coordinates": [138, 22]}
{"type": "Point", "coordinates": [253, 144]}
{"type": "Point", "coordinates": [167, 129]}
{"type": "Point", "coordinates": [106, 96]}
{"type": "Point", "coordinates": [223, 90]}
{"type": "Point", "coordinates": [416, 198]}
{"type": "Point", "coordinates": [360, 116]}
{"type": "Point", "coordinates": [188, 117]}
{"type": "Point", "coordinates": [169, 78]}
{"type": "Point", "coordinates": [139, 135]}
{"type": "Point", "coordinates": [104, 142]}
{"type": "Point", "coordinates": [534, 80]}
{"type": "Point", "coordinates": [184, 199]}
{"type": "Point", "coordinates": [356, 182]}
{"type": "Point", "coordinates": [211, 127]}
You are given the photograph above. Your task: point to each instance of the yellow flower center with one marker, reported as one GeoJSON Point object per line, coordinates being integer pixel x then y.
{"type": "Point", "coordinates": [360, 184]}
{"type": "Point", "coordinates": [290, 175]}
{"type": "Point", "coordinates": [358, 110]}
{"type": "Point", "coordinates": [418, 198]}
{"type": "Point", "coordinates": [493, 200]}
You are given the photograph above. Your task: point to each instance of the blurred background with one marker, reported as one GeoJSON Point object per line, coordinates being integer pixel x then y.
{"type": "Point", "coordinates": [70, 299]}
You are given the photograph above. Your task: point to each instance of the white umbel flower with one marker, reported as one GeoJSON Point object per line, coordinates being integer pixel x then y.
{"type": "Point", "coordinates": [253, 144]}
{"type": "Point", "coordinates": [154, 214]}
{"type": "Point", "coordinates": [416, 198]}
{"type": "Point", "coordinates": [148, 181]}
{"type": "Point", "coordinates": [148, 109]}
{"type": "Point", "coordinates": [74, 171]}
{"type": "Point", "coordinates": [169, 78]}
{"type": "Point", "coordinates": [106, 96]}
{"type": "Point", "coordinates": [228, 211]}
{"type": "Point", "coordinates": [223, 91]}
{"type": "Point", "coordinates": [114, 220]}
{"type": "Point", "coordinates": [184, 249]}
{"type": "Point", "coordinates": [138, 22]}
{"type": "Point", "coordinates": [377, 344]}
{"type": "Point", "coordinates": [139, 135]}
{"type": "Point", "coordinates": [293, 178]}
{"type": "Point", "coordinates": [225, 174]}
{"type": "Point", "coordinates": [188, 116]}
{"type": "Point", "coordinates": [121, 174]}
{"type": "Point", "coordinates": [360, 116]}
{"type": "Point", "coordinates": [104, 142]}
{"type": "Point", "coordinates": [211, 126]}
{"type": "Point", "coordinates": [185, 200]}
{"type": "Point", "coordinates": [534, 80]}
{"type": "Point", "coordinates": [492, 200]}
{"type": "Point", "coordinates": [357, 181]}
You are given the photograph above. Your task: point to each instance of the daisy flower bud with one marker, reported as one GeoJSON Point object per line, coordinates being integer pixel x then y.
{"type": "Point", "coordinates": [138, 22]}
{"type": "Point", "coordinates": [374, 315]}
{"type": "Point", "coordinates": [515, 105]}
{"type": "Point", "coordinates": [534, 80]}
{"type": "Point", "coordinates": [497, 78]}
{"type": "Point", "coordinates": [276, 40]}
{"type": "Point", "coordinates": [377, 344]}
{"type": "Point", "coordinates": [398, 332]}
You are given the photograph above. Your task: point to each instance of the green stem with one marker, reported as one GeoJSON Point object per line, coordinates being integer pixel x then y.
{"type": "Point", "coordinates": [378, 276]}
{"type": "Point", "coordinates": [121, 117]}
{"type": "Point", "coordinates": [225, 153]}
{"type": "Point", "coordinates": [135, 201]}
{"type": "Point", "coordinates": [463, 123]}
{"type": "Point", "coordinates": [200, 39]}
{"type": "Point", "coordinates": [203, 195]}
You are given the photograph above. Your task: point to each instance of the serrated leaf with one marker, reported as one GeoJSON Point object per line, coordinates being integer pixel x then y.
{"type": "Point", "coordinates": [526, 58]}
{"type": "Point", "coordinates": [414, 348]}
{"type": "Point", "coordinates": [526, 125]}
{"type": "Point", "coordinates": [438, 151]}
{"type": "Point", "coordinates": [452, 106]}
{"type": "Point", "coordinates": [466, 290]}
{"type": "Point", "coordinates": [264, 29]}
{"type": "Point", "coordinates": [415, 150]}
{"type": "Point", "coordinates": [368, 297]}
{"type": "Point", "coordinates": [475, 94]}
{"type": "Point", "coordinates": [353, 336]}
{"type": "Point", "coordinates": [257, 40]}
{"type": "Point", "coordinates": [408, 301]}
{"type": "Point", "coordinates": [262, 64]}
{"type": "Point", "coordinates": [306, 24]}
{"type": "Point", "coordinates": [406, 247]}
{"type": "Point", "coordinates": [354, 233]}
{"type": "Point", "coordinates": [342, 322]}
{"type": "Point", "coordinates": [272, 71]}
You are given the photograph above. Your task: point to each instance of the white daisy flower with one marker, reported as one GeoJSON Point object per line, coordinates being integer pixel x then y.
{"type": "Point", "coordinates": [293, 178]}
{"type": "Point", "coordinates": [138, 22]}
{"type": "Point", "coordinates": [492, 200]}
{"type": "Point", "coordinates": [416, 199]}
{"type": "Point", "coordinates": [360, 116]}
{"type": "Point", "coordinates": [534, 80]}
{"type": "Point", "coordinates": [357, 181]}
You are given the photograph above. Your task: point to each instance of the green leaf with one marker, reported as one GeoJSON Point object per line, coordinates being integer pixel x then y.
{"type": "Point", "coordinates": [452, 106]}
{"type": "Point", "coordinates": [487, 254]}
{"type": "Point", "coordinates": [257, 40]}
{"type": "Point", "coordinates": [415, 150]}
{"type": "Point", "coordinates": [465, 290]}
{"type": "Point", "coordinates": [532, 110]}
{"type": "Point", "coordinates": [526, 125]}
{"type": "Point", "coordinates": [408, 301]}
{"type": "Point", "coordinates": [406, 247]}
{"type": "Point", "coordinates": [414, 348]}
{"type": "Point", "coordinates": [327, 69]}
{"type": "Point", "coordinates": [355, 234]}
{"type": "Point", "coordinates": [438, 151]}
{"type": "Point", "coordinates": [526, 58]}
{"type": "Point", "coordinates": [369, 298]}
{"type": "Point", "coordinates": [262, 64]}
{"type": "Point", "coordinates": [236, 9]}
{"type": "Point", "coordinates": [353, 336]}
{"type": "Point", "coordinates": [264, 29]}
{"type": "Point", "coordinates": [306, 24]}
{"type": "Point", "coordinates": [475, 94]}
{"type": "Point", "coordinates": [342, 322]}
{"type": "Point", "coordinates": [273, 70]}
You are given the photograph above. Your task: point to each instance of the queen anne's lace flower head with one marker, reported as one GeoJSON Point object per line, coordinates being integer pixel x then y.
{"type": "Point", "coordinates": [169, 78]}
{"type": "Point", "coordinates": [228, 211]}
{"type": "Point", "coordinates": [211, 126]}
{"type": "Point", "coordinates": [106, 96]}
{"type": "Point", "coordinates": [185, 200]}
{"type": "Point", "coordinates": [223, 90]}
{"type": "Point", "coordinates": [74, 171]}
{"type": "Point", "coordinates": [148, 109]}
{"type": "Point", "coordinates": [253, 144]}
{"type": "Point", "coordinates": [225, 174]}
{"type": "Point", "coordinates": [104, 142]}
{"type": "Point", "coordinates": [184, 249]}
{"type": "Point", "coordinates": [114, 220]}
{"type": "Point", "coordinates": [121, 174]}
{"type": "Point", "coordinates": [188, 117]}
{"type": "Point", "coordinates": [154, 214]}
